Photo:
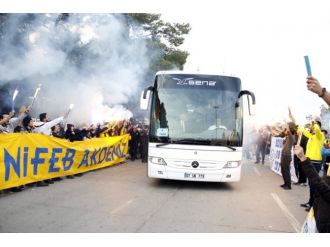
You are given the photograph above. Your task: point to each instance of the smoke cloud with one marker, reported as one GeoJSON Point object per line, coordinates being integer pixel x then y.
{"type": "Point", "coordinates": [90, 60]}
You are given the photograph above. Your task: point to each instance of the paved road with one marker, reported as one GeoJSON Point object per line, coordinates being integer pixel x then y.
{"type": "Point", "coordinates": [123, 199]}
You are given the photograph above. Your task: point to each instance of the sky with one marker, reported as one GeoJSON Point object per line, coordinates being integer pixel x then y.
{"type": "Point", "coordinates": [264, 43]}
{"type": "Point", "coordinates": [261, 42]}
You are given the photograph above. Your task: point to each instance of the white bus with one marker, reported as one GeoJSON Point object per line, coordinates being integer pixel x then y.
{"type": "Point", "coordinates": [196, 126]}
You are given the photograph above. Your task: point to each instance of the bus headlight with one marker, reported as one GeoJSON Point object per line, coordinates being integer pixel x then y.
{"type": "Point", "coordinates": [157, 160]}
{"type": "Point", "coordinates": [232, 164]}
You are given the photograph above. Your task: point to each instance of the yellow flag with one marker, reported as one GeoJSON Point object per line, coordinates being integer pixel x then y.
{"type": "Point", "coordinates": [27, 158]}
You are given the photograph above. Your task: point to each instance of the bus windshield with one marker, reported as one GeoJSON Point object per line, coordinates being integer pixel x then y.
{"type": "Point", "coordinates": [196, 109]}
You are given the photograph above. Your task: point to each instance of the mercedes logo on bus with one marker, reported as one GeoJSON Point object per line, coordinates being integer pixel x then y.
{"type": "Point", "coordinates": [194, 164]}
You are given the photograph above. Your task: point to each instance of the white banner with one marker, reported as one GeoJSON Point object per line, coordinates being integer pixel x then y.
{"type": "Point", "coordinates": [275, 158]}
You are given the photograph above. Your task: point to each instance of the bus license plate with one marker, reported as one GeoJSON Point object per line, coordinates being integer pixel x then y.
{"type": "Point", "coordinates": [194, 175]}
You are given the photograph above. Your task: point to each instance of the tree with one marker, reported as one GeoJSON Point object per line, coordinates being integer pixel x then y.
{"type": "Point", "coordinates": [162, 36]}
{"type": "Point", "coordinates": [164, 39]}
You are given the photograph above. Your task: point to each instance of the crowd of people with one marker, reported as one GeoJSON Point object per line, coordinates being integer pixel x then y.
{"type": "Point", "coordinates": [257, 142]}
{"type": "Point", "coordinates": [309, 145]}
{"type": "Point", "coordinates": [22, 122]}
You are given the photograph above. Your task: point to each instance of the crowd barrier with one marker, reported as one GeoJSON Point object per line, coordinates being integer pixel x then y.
{"type": "Point", "coordinates": [27, 158]}
{"type": "Point", "coordinates": [275, 158]}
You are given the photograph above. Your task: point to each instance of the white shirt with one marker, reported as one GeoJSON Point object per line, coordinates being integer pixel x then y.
{"type": "Point", "coordinates": [46, 128]}
{"type": "Point", "coordinates": [15, 121]}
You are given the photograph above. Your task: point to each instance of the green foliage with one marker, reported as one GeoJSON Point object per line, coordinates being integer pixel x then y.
{"type": "Point", "coordinates": [162, 36]}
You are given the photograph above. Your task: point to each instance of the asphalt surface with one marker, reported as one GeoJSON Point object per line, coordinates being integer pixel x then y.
{"type": "Point", "coordinates": [123, 199]}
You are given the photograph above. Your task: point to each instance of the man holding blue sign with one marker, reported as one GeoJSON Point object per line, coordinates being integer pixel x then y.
{"type": "Point", "coordinates": [314, 85]}
{"type": "Point", "coordinates": [321, 202]}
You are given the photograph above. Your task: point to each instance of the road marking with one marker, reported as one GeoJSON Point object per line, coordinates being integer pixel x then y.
{"type": "Point", "coordinates": [257, 171]}
{"type": "Point", "coordinates": [116, 210]}
{"type": "Point", "coordinates": [292, 220]}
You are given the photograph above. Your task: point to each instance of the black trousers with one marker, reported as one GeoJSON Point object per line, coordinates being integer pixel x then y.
{"type": "Point", "coordinates": [296, 165]}
{"type": "Point", "coordinates": [285, 169]}
{"type": "Point", "coordinates": [301, 175]}
{"type": "Point", "coordinates": [317, 166]}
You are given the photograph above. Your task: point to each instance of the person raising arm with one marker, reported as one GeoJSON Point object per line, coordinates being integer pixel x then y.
{"type": "Point", "coordinates": [321, 203]}
{"type": "Point", "coordinates": [314, 86]}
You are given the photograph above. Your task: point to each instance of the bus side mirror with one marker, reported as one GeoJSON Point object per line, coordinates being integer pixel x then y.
{"type": "Point", "coordinates": [249, 94]}
{"type": "Point", "coordinates": [145, 97]}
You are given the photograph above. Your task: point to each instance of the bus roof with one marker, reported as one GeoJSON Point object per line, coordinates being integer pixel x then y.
{"type": "Point", "coordinates": [169, 72]}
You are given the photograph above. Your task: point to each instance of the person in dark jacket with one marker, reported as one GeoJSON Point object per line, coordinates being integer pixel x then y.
{"type": "Point", "coordinates": [69, 133]}
{"type": "Point", "coordinates": [134, 143]}
{"type": "Point", "coordinates": [144, 137]}
{"type": "Point", "coordinates": [58, 131]}
{"type": "Point", "coordinates": [321, 204]}
{"type": "Point", "coordinates": [28, 124]}
{"type": "Point", "coordinates": [289, 134]}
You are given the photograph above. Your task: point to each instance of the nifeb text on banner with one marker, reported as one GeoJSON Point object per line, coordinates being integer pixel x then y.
{"type": "Point", "coordinates": [27, 158]}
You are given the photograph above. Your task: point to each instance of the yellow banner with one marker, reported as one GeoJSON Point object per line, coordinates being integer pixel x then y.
{"type": "Point", "coordinates": [27, 158]}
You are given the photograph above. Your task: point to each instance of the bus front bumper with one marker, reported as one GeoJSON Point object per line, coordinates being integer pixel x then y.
{"type": "Point", "coordinates": [222, 175]}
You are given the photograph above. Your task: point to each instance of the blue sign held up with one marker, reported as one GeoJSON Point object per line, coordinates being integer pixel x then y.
{"type": "Point", "coordinates": [308, 66]}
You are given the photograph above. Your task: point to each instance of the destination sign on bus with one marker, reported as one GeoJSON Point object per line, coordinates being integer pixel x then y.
{"type": "Point", "coordinates": [192, 82]}
{"type": "Point", "coordinates": [199, 82]}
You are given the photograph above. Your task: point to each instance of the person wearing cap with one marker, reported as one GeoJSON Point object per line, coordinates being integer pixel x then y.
{"type": "Point", "coordinates": [316, 137]}
{"type": "Point", "coordinates": [313, 152]}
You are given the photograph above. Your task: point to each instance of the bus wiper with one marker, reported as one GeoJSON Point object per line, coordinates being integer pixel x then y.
{"type": "Point", "coordinates": [222, 144]}
{"type": "Point", "coordinates": [230, 147]}
{"type": "Point", "coordinates": [192, 141]}
{"type": "Point", "coordinates": [162, 144]}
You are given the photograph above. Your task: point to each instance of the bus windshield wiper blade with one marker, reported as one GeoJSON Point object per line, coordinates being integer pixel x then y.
{"type": "Point", "coordinates": [162, 144]}
{"type": "Point", "coordinates": [222, 144]}
{"type": "Point", "coordinates": [192, 141]}
{"type": "Point", "coordinates": [230, 147]}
